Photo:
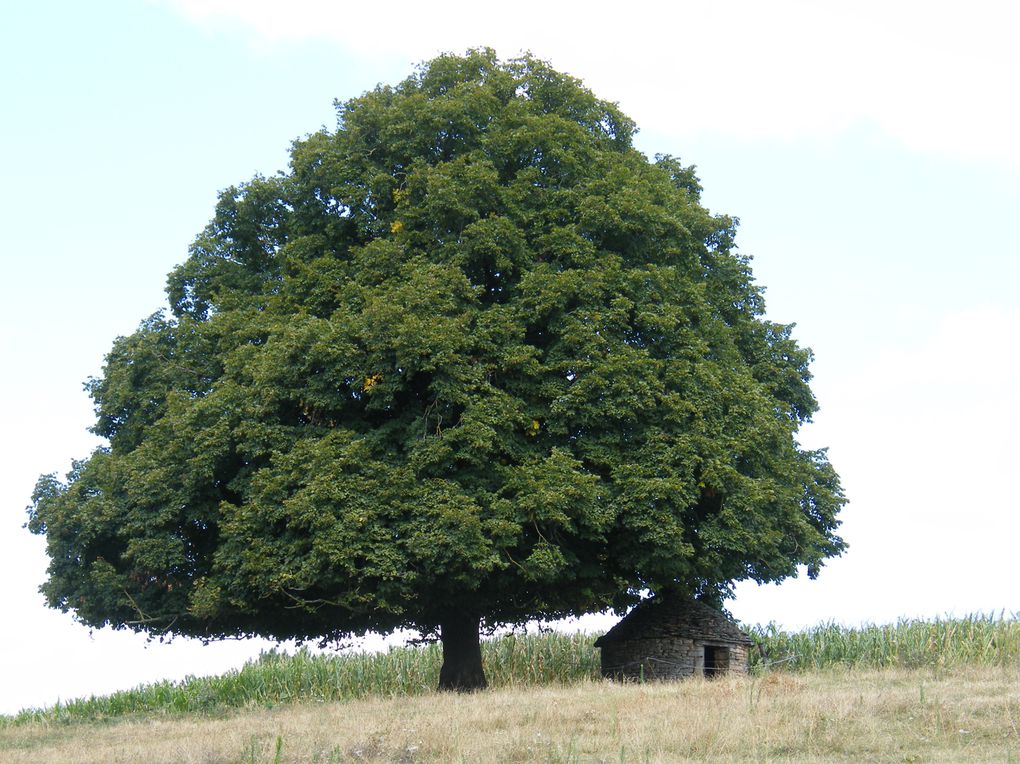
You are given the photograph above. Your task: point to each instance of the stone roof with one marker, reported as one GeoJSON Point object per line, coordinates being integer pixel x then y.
{"type": "Point", "coordinates": [662, 618]}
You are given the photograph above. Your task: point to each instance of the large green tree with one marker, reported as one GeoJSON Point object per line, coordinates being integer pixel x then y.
{"type": "Point", "coordinates": [473, 360]}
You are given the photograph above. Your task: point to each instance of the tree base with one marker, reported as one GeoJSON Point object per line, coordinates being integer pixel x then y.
{"type": "Point", "coordinates": [462, 655]}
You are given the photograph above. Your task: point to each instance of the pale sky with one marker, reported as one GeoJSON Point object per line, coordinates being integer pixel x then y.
{"type": "Point", "coordinates": [869, 150]}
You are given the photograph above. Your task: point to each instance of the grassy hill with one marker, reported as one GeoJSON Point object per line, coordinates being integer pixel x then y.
{"type": "Point", "coordinates": [946, 690]}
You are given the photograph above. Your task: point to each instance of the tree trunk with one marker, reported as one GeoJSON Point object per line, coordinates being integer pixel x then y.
{"type": "Point", "coordinates": [462, 654]}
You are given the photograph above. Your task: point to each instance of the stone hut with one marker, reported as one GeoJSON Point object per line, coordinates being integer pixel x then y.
{"type": "Point", "coordinates": [671, 638]}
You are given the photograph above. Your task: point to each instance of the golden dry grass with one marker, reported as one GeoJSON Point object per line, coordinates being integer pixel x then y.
{"type": "Point", "coordinates": [892, 715]}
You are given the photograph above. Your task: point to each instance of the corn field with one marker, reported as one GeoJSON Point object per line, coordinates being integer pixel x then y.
{"type": "Point", "coordinates": [523, 660]}
{"type": "Point", "coordinates": [942, 643]}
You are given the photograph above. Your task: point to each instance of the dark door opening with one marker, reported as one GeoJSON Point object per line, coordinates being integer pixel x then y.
{"type": "Point", "coordinates": [717, 660]}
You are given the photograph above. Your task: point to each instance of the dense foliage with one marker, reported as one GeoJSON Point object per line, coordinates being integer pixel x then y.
{"type": "Point", "coordinates": [472, 357]}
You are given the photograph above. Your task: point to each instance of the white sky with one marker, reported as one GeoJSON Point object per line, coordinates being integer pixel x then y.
{"type": "Point", "coordinates": [869, 149]}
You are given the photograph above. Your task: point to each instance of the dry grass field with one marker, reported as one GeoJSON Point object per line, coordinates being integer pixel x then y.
{"type": "Point", "coordinates": [965, 714]}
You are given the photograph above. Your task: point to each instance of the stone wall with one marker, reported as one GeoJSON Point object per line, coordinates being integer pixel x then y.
{"type": "Point", "coordinates": [662, 658]}
{"type": "Point", "coordinates": [649, 659]}
{"type": "Point", "coordinates": [738, 659]}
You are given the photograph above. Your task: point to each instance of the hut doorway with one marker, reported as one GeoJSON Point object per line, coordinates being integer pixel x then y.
{"type": "Point", "coordinates": [717, 660]}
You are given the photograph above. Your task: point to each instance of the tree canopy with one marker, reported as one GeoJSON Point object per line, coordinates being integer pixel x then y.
{"type": "Point", "coordinates": [473, 358]}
